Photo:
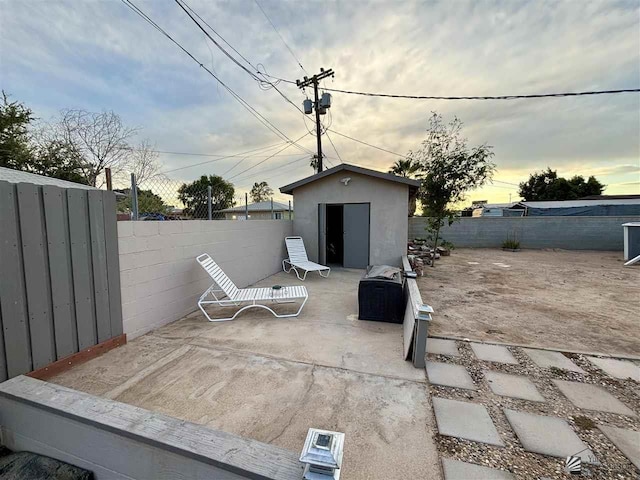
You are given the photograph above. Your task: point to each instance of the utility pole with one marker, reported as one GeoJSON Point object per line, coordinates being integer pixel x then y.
{"type": "Point", "coordinates": [320, 105]}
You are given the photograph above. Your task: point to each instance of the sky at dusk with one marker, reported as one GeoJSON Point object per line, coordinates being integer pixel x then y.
{"type": "Point", "coordinates": [99, 55]}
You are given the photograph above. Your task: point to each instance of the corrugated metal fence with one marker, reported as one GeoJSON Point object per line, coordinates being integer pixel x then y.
{"type": "Point", "coordinates": [59, 274]}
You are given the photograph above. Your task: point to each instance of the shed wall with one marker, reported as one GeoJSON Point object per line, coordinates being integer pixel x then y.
{"type": "Point", "coordinates": [389, 212]}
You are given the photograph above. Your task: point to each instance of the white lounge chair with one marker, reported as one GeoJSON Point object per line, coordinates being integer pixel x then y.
{"type": "Point", "coordinates": [229, 294]}
{"type": "Point", "coordinates": [298, 259]}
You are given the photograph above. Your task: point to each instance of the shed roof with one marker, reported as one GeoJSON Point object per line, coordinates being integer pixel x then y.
{"type": "Point", "coordinates": [16, 176]}
{"type": "Point", "coordinates": [258, 207]}
{"type": "Point", "coordinates": [288, 189]}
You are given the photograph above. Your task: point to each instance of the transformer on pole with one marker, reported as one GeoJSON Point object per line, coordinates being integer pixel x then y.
{"type": "Point", "coordinates": [320, 105]}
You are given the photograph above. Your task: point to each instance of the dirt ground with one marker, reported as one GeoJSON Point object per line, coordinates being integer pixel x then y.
{"type": "Point", "coordinates": [577, 300]}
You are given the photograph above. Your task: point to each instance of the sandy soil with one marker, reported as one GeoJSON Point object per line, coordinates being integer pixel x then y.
{"type": "Point", "coordinates": [580, 300]}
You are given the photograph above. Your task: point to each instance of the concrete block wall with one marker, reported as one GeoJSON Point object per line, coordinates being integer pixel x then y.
{"type": "Point", "coordinates": [161, 280]}
{"type": "Point", "coordinates": [570, 233]}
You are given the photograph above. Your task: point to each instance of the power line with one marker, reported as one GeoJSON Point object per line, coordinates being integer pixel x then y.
{"type": "Point", "coordinates": [367, 144]}
{"type": "Point", "coordinates": [222, 158]}
{"type": "Point", "coordinates": [334, 147]}
{"type": "Point", "coordinates": [494, 97]}
{"type": "Point", "coordinates": [252, 175]}
{"type": "Point", "coordinates": [261, 81]}
{"type": "Point", "coordinates": [506, 183]}
{"type": "Point", "coordinates": [281, 37]}
{"type": "Point", "coordinates": [237, 97]}
{"type": "Point", "coordinates": [262, 161]}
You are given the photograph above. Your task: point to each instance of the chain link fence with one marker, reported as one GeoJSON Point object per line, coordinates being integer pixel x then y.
{"type": "Point", "coordinates": [162, 198]}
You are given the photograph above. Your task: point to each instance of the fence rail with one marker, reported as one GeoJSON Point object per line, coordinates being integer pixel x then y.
{"type": "Point", "coordinates": [59, 274]}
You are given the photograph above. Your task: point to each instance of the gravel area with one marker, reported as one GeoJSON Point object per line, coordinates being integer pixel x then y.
{"type": "Point", "coordinates": [525, 465]}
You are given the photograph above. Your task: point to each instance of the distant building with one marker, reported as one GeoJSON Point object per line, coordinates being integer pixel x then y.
{"type": "Point", "coordinates": [601, 207]}
{"type": "Point", "coordinates": [495, 210]}
{"type": "Point", "coordinates": [258, 211]}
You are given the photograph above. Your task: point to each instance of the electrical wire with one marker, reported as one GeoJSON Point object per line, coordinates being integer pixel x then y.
{"type": "Point", "coordinates": [367, 144]}
{"type": "Point", "coordinates": [281, 37]}
{"type": "Point", "coordinates": [237, 97]}
{"type": "Point", "coordinates": [334, 147]}
{"type": "Point", "coordinates": [262, 81]}
{"type": "Point", "coordinates": [252, 175]}
{"type": "Point", "coordinates": [222, 158]}
{"type": "Point", "coordinates": [488, 97]}
{"type": "Point", "coordinates": [262, 161]}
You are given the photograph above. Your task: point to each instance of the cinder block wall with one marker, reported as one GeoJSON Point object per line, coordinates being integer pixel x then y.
{"type": "Point", "coordinates": [161, 280]}
{"type": "Point", "coordinates": [571, 233]}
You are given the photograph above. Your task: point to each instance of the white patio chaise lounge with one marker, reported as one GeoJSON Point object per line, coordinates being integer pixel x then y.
{"type": "Point", "coordinates": [298, 259]}
{"type": "Point", "coordinates": [230, 295]}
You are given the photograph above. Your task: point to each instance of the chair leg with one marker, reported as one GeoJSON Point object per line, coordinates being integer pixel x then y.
{"type": "Point", "coordinates": [324, 276]}
{"type": "Point", "coordinates": [284, 268]}
{"type": "Point", "coordinates": [257, 305]}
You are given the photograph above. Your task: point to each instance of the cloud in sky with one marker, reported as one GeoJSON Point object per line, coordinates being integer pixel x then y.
{"type": "Point", "coordinates": [100, 55]}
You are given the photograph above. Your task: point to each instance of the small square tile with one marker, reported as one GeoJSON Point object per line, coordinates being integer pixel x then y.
{"type": "Point", "coordinates": [493, 353]}
{"type": "Point", "coordinates": [466, 420]}
{"type": "Point", "coordinates": [442, 347]}
{"type": "Point", "coordinates": [457, 470]}
{"type": "Point", "coordinates": [548, 359]}
{"type": "Point", "coordinates": [548, 436]}
{"type": "Point", "coordinates": [592, 397]}
{"type": "Point", "coordinates": [449, 375]}
{"type": "Point", "coordinates": [617, 368]}
{"type": "Point", "coordinates": [627, 441]}
{"type": "Point", "coordinates": [514, 386]}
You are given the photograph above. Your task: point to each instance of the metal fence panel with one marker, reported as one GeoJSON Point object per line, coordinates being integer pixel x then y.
{"type": "Point", "coordinates": [36, 274]}
{"type": "Point", "coordinates": [15, 323]}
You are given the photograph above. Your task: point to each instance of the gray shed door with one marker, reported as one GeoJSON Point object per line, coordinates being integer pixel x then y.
{"type": "Point", "coordinates": [356, 235]}
{"type": "Point", "coordinates": [322, 233]}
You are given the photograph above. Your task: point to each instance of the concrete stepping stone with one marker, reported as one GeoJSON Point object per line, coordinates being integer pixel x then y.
{"type": "Point", "coordinates": [457, 470]}
{"type": "Point", "coordinates": [627, 441]}
{"type": "Point", "coordinates": [617, 368]}
{"type": "Point", "coordinates": [449, 375]}
{"type": "Point", "coordinates": [442, 347]}
{"type": "Point", "coordinates": [493, 353]}
{"type": "Point", "coordinates": [592, 397]}
{"type": "Point", "coordinates": [548, 436]}
{"type": "Point", "coordinates": [466, 420]}
{"type": "Point", "coordinates": [514, 386]}
{"type": "Point", "coordinates": [547, 359]}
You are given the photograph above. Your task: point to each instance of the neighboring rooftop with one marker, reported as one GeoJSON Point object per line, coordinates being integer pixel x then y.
{"type": "Point", "coordinates": [16, 176]}
{"type": "Point", "coordinates": [610, 197]}
{"type": "Point", "coordinates": [288, 189]}
{"type": "Point", "coordinates": [258, 207]}
{"type": "Point", "coordinates": [634, 200]}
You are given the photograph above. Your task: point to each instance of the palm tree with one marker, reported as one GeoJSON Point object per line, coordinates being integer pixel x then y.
{"type": "Point", "coordinates": [406, 168]}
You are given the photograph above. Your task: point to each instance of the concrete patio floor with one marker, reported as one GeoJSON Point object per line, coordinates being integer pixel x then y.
{"type": "Point", "coordinates": [271, 379]}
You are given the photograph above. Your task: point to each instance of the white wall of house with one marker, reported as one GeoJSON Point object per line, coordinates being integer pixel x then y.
{"type": "Point", "coordinates": [160, 278]}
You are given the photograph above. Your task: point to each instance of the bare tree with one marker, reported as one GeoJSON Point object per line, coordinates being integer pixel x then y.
{"type": "Point", "coordinates": [100, 139]}
{"type": "Point", "coordinates": [144, 162]}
